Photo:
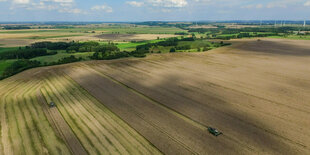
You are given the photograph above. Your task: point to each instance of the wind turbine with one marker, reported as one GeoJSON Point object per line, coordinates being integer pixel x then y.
{"type": "Point", "coordinates": [304, 23]}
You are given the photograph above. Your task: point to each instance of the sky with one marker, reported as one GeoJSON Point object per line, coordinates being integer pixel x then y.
{"type": "Point", "coordinates": [152, 10]}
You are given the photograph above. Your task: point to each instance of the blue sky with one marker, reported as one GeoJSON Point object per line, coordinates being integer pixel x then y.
{"type": "Point", "coordinates": [150, 10]}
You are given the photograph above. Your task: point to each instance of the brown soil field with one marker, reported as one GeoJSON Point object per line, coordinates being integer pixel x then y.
{"type": "Point", "coordinates": [15, 40]}
{"type": "Point", "coordinates": [203, 26]}
{"type": "Point", "coordinates": [235, 26]}
{"type": "Point", "coordinates": [131, 37]}
{"type": "Point", "coordinates": [256, 92]}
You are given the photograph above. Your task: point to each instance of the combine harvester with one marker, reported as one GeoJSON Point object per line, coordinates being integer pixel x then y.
{"type": "Point", "coordinates": [214, 131]}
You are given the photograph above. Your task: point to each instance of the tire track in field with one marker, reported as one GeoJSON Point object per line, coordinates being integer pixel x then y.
{"type": "Point", "coordinates": [5, 138]}
{"type": "Point", "coordinates": [20, 119]}
{"type": "Point", "coordinates": [92, 143]}
{"type": "Point", "coordinates": [12, 132]}
{"type": "Point", "coordinates": [2, 112]}
{"type": "Point", "coordinates": [172, 138]}
{"type": "Point", "coordinates": [91, 121]}
{"type": "Point", "coordinates": [14, 125]}
{"type": "Point", "coordinates": [62, 127]}
{"type": "Point", "coordinates": [190, 100]}
{"type": "Point", "coordinates": [51, 143]}
{"type": "Point", "coordinates": [101, 143]}
{"type": "Point", "coordinates": [186, 118]}
{"type": "Point", "coordinates": [105, 118]}
{"type": "Point", "coordinates": [36, 140]}
{"type": "Point", "coordinates": [84, 101]}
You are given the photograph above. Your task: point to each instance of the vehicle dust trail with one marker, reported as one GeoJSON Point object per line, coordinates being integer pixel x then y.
{"type": "Point", "coordinates": [62, 127]}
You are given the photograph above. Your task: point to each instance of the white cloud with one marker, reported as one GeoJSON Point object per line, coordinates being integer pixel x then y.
{"type": "Point", "coordinates": [307, 3]}
{"type": "Point", "coordinates": [168, 3]}
{"type": "Point", "coordinates": [74, 11]}
{"type": "Point", "coordinates": [21, 1]}
{"type": "Point", "coordinates": [135, 3]}
{"type": "Point", "coordinates": [257, 6]}
{"type": "Point", "coordinates": [62, 6]}
{"type": "Point", "coordinates": [104, 8]}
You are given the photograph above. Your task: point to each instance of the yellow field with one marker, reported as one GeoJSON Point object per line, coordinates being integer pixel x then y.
{"type": "Point", "coordinates": [26, 129]}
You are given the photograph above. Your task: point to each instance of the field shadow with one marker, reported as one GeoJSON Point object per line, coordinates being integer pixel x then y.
{"type": "Point", "coordinates": [250, 132]}
{"type": "Point", "coordinates": [207, 110]}
{"type": "Point", "coordinates": [275, 47]}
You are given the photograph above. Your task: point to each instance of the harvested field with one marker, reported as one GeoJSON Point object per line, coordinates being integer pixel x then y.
{"type": "Point", "coordinates": [28, 127]}
{"type": "Point", "coordinates": [131, 37]}
{"type": "Point", "coordinates": [255, 92]}
{"type": "Point", "coordinates": [59, 124]}
{"type": "Point", "coordinates": [14, 42]}
{"type": "Point", "coordinates": [236, 26]}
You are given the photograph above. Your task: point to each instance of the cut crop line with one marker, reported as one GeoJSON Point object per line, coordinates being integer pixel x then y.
{"type": "Point", "coordinates": [172, 111]}
{"type": "Point", "coordinates": [16, 124]}
{"type": "Point", "coordinates": [93, 120]}
{"type": "Point", "coordinates": [71, 121]}
{"type": "Point", "coordinates": [21, 121]}
{"type": "Point", "coordinates": [106, 122]}
{"type": "Point", "coordinates": [139, 115]}
{"type": "Point", "coordinates": [5, 133]}
{"type": "Point", "coordinates": [35, 137]}
{"type": "Point", "coordinates": [113, 117]}
{"type": "Point", "coordinates": [73, 151]}
{"type": "Point", "coordinates": [180, 115]}
{"type": "Point", "coordinates": [268, 131]}
{"type": "Point", "coordinates": [73, 110]}
{"type": "Point", "coordinates": [83, 127]}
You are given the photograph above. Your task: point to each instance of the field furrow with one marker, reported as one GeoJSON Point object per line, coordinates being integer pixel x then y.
{"type": "Point", "coordinates": [105, 118]}
{"type": "Point", "coordinates": [193, 96]}
{"type": "Point", "coordinates": [61, 127]}
{"type": "Point", "coordinates": [103, 85]}
{"type": "Point", "coordinates": [88, 120]}
{"type": "Point", "coordinates": [74, 121]}
{"type": "Point", "coordinates": [256, 92]}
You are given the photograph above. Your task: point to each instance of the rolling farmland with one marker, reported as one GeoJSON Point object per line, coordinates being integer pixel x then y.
{"type": "Point", "coordinates": [255, 92]}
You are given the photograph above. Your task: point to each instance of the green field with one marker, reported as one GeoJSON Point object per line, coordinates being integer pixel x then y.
{"type": "Point", "coordinates": [4, 49]}
{"type": "Point", "coordinates": [60, 55]}
{"type": "Point", "coordinates": [293, 37]}
{"type": "Point", "coordinates": [130, 46]}
{"type": "Point", "coordinates": [4, 64]}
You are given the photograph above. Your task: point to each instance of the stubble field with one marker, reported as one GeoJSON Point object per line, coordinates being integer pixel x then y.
{"type": "Point", "coordinates": [255, 92]}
